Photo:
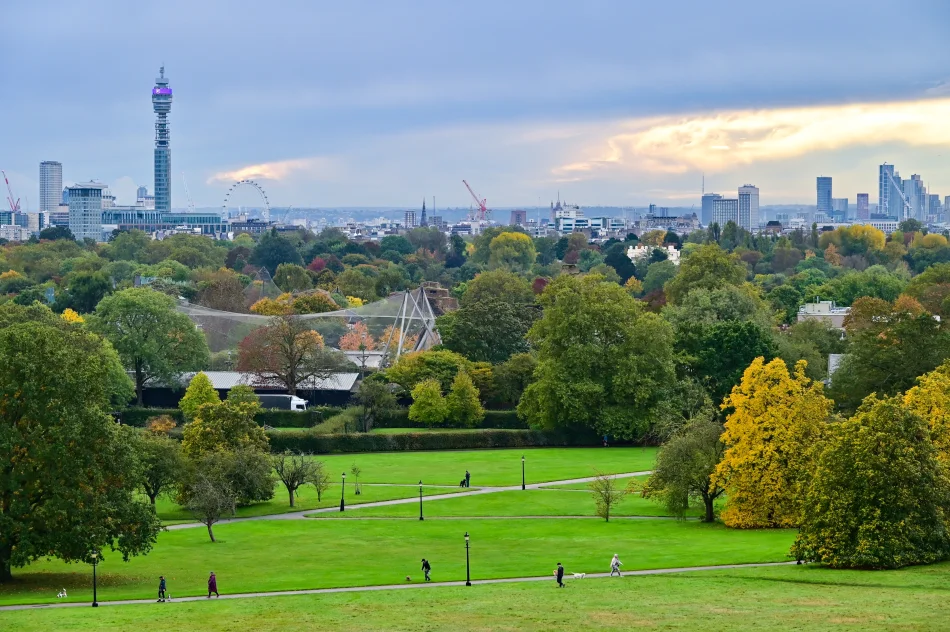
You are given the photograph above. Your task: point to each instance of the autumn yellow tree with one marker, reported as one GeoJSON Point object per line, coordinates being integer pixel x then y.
{"type": "Point", "coordinates": [930, 400]}
{"type": "Point", "coordinates": [271, 307]}
{"type": "Point", "coordinates": [771, 436]}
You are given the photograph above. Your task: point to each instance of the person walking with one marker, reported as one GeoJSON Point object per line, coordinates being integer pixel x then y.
{"type": "Point", "coordinates": [468, 479]}
{"type": "Point", "coordinates": [161, 589]}
{"type": "Point", "coordinates": [560, 575]}
{"type": "Point", "coordinates": [426, 567]}
{"type": "Point", "coordinates": [213, 586]}
{"type": "Point", "coordinates": [615, 565]}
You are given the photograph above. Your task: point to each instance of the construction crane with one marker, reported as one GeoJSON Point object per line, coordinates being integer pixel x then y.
{"type": "Point", "coordinates": [908, 208]}
{"type": "Point", "coordinates": [14, 206]}
{"type": "Point", "coordinates": [191, 203]}
{"type": "Point", "coordinates": [482, 203]}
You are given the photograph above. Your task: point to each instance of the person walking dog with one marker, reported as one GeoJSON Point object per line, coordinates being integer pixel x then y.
{"type": "Point", "coordinates": [161, 589]}
{"type": "Point", "coordinates": [468, 479]}
{"type": "Point", "coordinates": [213, 586]}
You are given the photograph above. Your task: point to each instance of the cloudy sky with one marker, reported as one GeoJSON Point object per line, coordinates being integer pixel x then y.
{"type": "Point", "coordinates": [364, 103]}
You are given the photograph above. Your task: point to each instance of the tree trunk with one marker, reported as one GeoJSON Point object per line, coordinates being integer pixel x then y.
{"type": "Point", "coordinates": [5, 571]}
{"type": "Point", "coordinates": [291, 492]}
{"type": "Point", "coordinates": [139, 387]}
{"type": "Point", "coordinates": [151, 498]}
{"type": "Point", "coordinates": [710, 516]}
{"type": "Point", "coordinates": [211, 533]}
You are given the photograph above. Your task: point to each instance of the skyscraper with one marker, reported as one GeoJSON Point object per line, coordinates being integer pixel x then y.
{"type": "Point", "coordinates": [749, 207]}
{"type": "Point", "coordinates": [725, 210]}
{"type": "Point", "coordinates": [85, 210]}
{"type": "Point", "coordinates": [707, 211]}
{"type": "Point", "coordinates": [935, 207]}
{"type": "Point", "coordinates": [916, 195]}
{"type": "Point", "coordinates": [864, 211]}
{"type": "Point", "coordinates": [410, 219]}
{"type": "Point", "coordinates": [824, 195]}
{"type": "Point", "coordinates": [162, 104]}
{"type": "Point", "coordinates": [889, 192]}
{"type": "Point", "coordinates": [840, 208]}
{"type": "Point", "coordinates": [51, 185]}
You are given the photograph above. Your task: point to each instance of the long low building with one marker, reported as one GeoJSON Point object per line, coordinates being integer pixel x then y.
{"type": "Point", "coordinates": [334, 391]}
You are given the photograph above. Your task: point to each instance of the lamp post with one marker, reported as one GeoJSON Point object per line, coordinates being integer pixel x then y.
{"type": "Point", "coordinates": [95, 561]}
{"type": "Point", "coordinates": [343, 489]}
{"type": "Point", "coordinates": [420, 501]}
{"type": "Point", "coordinates": [468, 570]}
{"type": "Point", "coordinates": [522, 473]}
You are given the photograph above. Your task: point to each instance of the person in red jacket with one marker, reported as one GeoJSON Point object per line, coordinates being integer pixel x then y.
{"type": "Point", "coordinates": [213, 586]}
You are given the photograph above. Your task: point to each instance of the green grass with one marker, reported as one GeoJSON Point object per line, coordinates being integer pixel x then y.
{"type": "Point", "coordinates": [389, 431]}
{"type": "Point", "coordinates": [541, 502]}
{"type": "Point", "coordinates": [492, 467]}
{"type": "Point", "coordinates": [764, 599]}
{"type": "Point", "coordinates": [622, 481]}
{"type": "Point", "coordinates": [295, 554]}
{"type": "Point", "coordinates": [171, 513]}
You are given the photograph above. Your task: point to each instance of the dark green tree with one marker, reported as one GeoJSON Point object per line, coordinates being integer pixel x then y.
{"type": "Point", "coordinates": [53, 233]}
{"type": "Point", "coordinates": [491, 330]}
{"type": "Point", "coordinates": [274, 249]}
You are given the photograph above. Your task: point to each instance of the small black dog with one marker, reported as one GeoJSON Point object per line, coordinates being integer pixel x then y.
{"type": "Point", "coordinates": [462, 484]}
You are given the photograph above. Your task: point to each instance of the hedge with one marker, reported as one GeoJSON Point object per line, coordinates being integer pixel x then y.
{"type": "Point", "coordinates": [500, 419]}
{"type": "Point", "coordinates": [303, 441]}
{"type": "Point", "coordinates": [138, 417]}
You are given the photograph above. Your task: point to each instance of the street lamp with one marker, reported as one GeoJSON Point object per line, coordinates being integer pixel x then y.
{"type": "Point", "coordinates": [468, 571]}
{"type": "Point", "coordinates": [343, 489]}
{"type": "Point", "coordinates": [522, 473]}
{"type": "Point", "coordinates": [95, 561]}
{"type": "Point", "coordinates": [420, 501]}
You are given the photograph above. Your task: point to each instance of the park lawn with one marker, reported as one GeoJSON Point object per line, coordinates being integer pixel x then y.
{"type": "Point", "coordinates": [491, 467]}
{"type": "Point", "coordinates": [767, 599]}
{"type": "Point", "coordinates": [620, 481]}
{"type": "Point", "coordinates": [539, 502]}
{"type": "Point", "coordinates": [171, 512]}
{"type": "Point", "coordinates": [269, 555]}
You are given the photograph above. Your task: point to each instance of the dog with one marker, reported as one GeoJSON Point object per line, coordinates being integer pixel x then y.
{"type": "Point", "coordinates": [61, 594]}
{"type": "Point", "coordinates": [462, 484]}
{"type": "Point", "coordinates": [580, 575]}
{"type": "Point", "coordinates": [408, 579]}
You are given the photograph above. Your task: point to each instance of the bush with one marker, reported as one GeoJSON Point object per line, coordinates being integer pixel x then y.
{"type": "Point", "coordinates": [304, 441]}
{"type": "Point", "coordinates": [139, 417]}
{"type": "Point", "coordinates": [494, 419]}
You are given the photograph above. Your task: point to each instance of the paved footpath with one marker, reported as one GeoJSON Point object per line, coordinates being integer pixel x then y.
{"type": "Point", "coordinates": [327, 591]}
{"type": "Point", "coordinates": [477, 491]}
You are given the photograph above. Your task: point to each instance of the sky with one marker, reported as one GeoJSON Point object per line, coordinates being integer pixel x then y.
{"type": "Point", "coordinates": [383, 103]}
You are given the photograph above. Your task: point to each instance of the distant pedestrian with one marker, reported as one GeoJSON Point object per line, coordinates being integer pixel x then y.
{"type": "Point", "coordinates": [468, 479]}
{"type": "Point", "coordinates": [605, 441]}
{"type": "Point", "coordinates": [161, 589]}
{"type": "Point", "coordinates": [426, 568]}
{"type": "Point", "coordinates": [615, 565]}
{"type": "Point", "coordinates": [213, 586]}
{"type": "Point", "coordinates": [560, 575]}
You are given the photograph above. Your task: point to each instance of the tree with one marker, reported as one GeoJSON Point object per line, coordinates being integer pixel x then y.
{"type": "Point", "coordinates": [878, 497]}
{"type": "Point", "coordinates": [320, 479]}
{"type": "Point", "coordinates": [707, 267]}
{"type": "Point", "coordinates": [243, 394]}
{"type": "Point", "coordinates": [607, 493]}
{"type": "Point", "coordinates": [512, 377]}
{"type": "Point", "coordinates": [357, 339]}
{"type": "Point", "coordinates": [294, 470]}
{"type": "Point", "coordinates": [274, 249]}
{"type": "Point", "coordinates": [210, 497]}
{"type": "Point", "coordinates": [161, 463]}
{"type": "Point", "coordinates": [616, 257]}
{"type": "Point", "coordinates": [355, 282]}
{"type": "Point", "coordinates": [462, 403]}
{"type": "Point", "coordinates": [53, 233]}
{"type": "Point", "coordinates": [287, 352]}
{"type": "Point", "coordinates": [396, 243]}
{"type": "Point", "coordinates": [84, 290]}
{"type": "Point", "coordinates": [657, 275]}
{"type": "Point", "coordinates": [314, 302]}
{"type": "Point", "coordinates": [785, 300]}
{"type": "Point", "coordinates": [499, 285]}
{"type": "Point", "coordinates": [376, 401]}
{"type": "Point", "coordinates": [292, 278]}
{"type": "Point", "coordinates": [930, 400]}
{"type": "Point", "coordinates": [224, 426]}
{"type": "Point", "coordinates": [154, 341]}
{"type": "Point", "coordinates": [200, 391]}
{"type": "Point", "coordinates": [440, 365]}
{"type": "Point", "coordinates": [602, 359]}
{"type": "Point", "coordinates": [355, 470]}
{"type": "Point", "coordinates": [685, 468]}
{"type": "Point", "coordinates": [221, 290]}
{"type": "Point", "coordinates": [428, 406]}
{"type": "Point", "coordinates": [68, 472]}
{"type": "Point", "coordinates": [777, 422]}
{"type": "Point", "coordinates": [491, 330]}
{"type": "Point", "coordinates": [512, 251]}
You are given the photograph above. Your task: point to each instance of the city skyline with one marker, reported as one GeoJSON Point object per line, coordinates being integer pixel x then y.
{"type": "Point", "coordinates": [556, 105]}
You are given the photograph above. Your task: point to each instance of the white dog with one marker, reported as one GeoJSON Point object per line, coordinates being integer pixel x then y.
{"type": "Point", "coordinates": [61, 594]}
{"type": "Point", "coordinates": [580, 575]}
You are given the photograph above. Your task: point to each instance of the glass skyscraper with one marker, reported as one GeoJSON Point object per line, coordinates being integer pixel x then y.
{"type": "Point", "coordinates": [162, 104]}
{"type": "Point", "coordinates": [51, 185]}
{"type": "Point", "coordinates": [824, 195]}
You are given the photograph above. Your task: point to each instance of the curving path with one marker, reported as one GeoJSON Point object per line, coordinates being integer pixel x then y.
{"type": "Point", "coordinates": [323, 591]}
{"type": "Point", "coordinates": [477, 491]}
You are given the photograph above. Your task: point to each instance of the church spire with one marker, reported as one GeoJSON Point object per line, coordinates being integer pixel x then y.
{"type": "Point", "coordinates": [422, 220]}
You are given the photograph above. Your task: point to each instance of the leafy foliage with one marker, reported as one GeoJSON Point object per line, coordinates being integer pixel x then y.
{"type": "Point", "coordinates": [428, 405]}
{"type": "Point", "coordinates": [200, 391]}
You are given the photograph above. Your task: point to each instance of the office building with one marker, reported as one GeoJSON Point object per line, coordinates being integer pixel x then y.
{"type": "Point", "coordinates": [141, 193]}
{"type": "Point", "coordinates": [162, 105]}
{"type": "Point", "coordinates": [725, 210]}
{"type": "Point", "coordinates": [889, 192]}
{"type": "Point", "coordinates": [749, 207]}
{"type": "Point", "coordinates": [824, 195]}
{"type": "Point", "coordinates": [519, 218]}
{"type": "Point", "coordinates": [934, 207]}
{"type": "Point", "coordinates": [409, 220]}
{"type": "Point", "coordinates": [51, 185]}
{"type": "Point", "coordinates": [85, 210]}
{"type": "Point", "coordinates": [839, 207]}
{"type": "Point", "coordinates": [915, 194]}
{"type": "Point", "coordinates": [706, 213]}
{"type": "Point", "coordinates": [863, 209]}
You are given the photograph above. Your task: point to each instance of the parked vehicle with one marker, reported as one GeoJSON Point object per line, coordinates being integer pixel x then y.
{"type": "Point", "coordinates": [282, 402]}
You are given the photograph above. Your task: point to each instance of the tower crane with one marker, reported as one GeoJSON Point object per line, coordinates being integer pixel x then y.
{"type": "Point", "coordinates": [14, 206]}
{"type": "Point", "coordinates": [481, 203]}
{"type": "Point", "coordinates": [191, 203]}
